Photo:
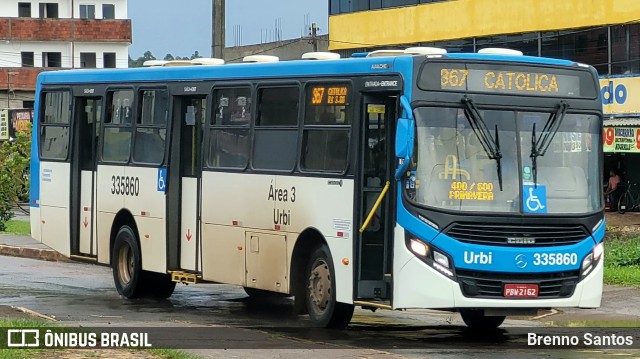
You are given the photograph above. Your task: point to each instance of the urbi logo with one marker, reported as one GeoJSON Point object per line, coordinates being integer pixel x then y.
{"type": "Point", "coordinates": [477, 258]}
{"type": "Point", "coordinates": [613, 94]}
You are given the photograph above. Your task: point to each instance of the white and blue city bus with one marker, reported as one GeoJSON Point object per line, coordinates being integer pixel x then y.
{"type": "Point", "coordinates": [461, 182]}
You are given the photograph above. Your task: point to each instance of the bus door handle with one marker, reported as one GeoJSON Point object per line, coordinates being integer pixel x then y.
{"type": "Point", "coordinates": [375, 207]}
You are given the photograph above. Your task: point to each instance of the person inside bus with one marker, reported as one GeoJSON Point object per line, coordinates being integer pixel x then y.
{"type": "Point", "coordinates": [613, 190]}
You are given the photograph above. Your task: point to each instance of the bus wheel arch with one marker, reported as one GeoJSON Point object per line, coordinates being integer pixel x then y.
{"type": "Point", "coordinates": [307, 242]}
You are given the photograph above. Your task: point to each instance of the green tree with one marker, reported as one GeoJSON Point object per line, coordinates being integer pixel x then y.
{"type": "Point", "coordinates": [169, 57]}
{"type": "Point", "coordinates": [140, 61]}
{"type": "Point", "coordinates": [14, 173]}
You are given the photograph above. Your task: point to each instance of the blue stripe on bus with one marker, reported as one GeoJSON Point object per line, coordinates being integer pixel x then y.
{"type": "Point", "coordinates": [228, 71]}
{"type": "Point", "coordinates": [34, 167]}
{"type": "Point", "coordinates": [505, 259]}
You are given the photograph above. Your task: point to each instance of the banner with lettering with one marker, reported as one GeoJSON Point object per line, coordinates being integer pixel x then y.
{"type": "Point", "coordinates": [4, 125]}
{"type": "Point", "coordinates": [620, 95]}
{"type": "Point", "coordinates": [621, 139]}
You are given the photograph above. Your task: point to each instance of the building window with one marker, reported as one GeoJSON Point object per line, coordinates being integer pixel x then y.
{"type": "Point", "coordinates": [109, 59]}
{"type": "Point", "coordinates": [28, 104]}
{"type": "Point", "coordinates": [87, 11]}
{"type": "Point", "coordinates": [49, 10]}
{"type": "Point", "coordinates": [51, 59]}
{"type": "Point", "coordinates": [276, 131]}
{"type": "Point", "coordinates": [108, 11]}
{"type": "Point", "coordinates": [27, 59]}
{"type": "Point", "coordinates": [24, 9]}
{"type": "Point", "coordinates": [88, 60]}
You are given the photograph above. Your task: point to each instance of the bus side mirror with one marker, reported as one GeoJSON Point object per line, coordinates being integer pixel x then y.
{"type": "Point", "coordinates": [405, 132]}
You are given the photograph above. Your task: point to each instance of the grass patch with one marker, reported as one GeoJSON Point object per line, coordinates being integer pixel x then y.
{"type": "Point", "coordinates": [622, 260]}
{"type": "Point", "coordinates": [18, 227]}
{"type": "Point", "coordinates": [171, 354]}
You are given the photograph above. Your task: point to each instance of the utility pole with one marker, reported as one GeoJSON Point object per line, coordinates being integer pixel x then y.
{"type": "Point", "coordinates": [314, 39]}
{"type": "Point", "coordinates": [217, 28]}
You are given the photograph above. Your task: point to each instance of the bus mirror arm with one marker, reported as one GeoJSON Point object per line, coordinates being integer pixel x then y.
{"type": "Point", "coordinates": [405, 132]}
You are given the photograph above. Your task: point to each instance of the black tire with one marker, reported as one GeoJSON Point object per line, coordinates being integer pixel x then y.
{"type": "Point", "coordinates": [126, 263]}
{"type": "Point", "coordinates": [158, 285]}
{"type": "Point", "coordinates": [475, 319]}
{"type": "Point", "coordinates": [323, 308]}
{"type": "Point", "coordinates": [623, 203]}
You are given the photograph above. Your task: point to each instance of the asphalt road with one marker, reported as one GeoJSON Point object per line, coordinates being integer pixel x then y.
{"type": "Point", "coordinates": [83, 295]}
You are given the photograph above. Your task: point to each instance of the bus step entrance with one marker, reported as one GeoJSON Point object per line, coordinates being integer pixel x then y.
{"type": "Point", "coordinates": [373, 305]}
{"type": "Point", "coordinates": [184, 277]}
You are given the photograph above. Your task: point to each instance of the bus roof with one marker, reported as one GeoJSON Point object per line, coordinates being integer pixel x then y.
{"type": "Point", "coordinates": [360, 65]}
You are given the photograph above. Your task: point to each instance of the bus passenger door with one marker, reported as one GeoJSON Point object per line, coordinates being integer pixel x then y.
{"type": "Point", "coordinates": [374, 245]}
{"type": "Point", "coordinates": [83, 168]}
{"type": "Point", "coordinates": [192, 111]}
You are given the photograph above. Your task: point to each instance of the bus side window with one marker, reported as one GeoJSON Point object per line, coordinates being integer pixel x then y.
{"type": "Point", "coordinates": [54, 125]}
{"type": "Point", "coordinates": [326, 133]}
{"type": "Point", "coordinates": [151, 127]}
{"type": "Point", "coordinates": [118, 131]}
{"type": "Point", "coordinates": [229, 140]}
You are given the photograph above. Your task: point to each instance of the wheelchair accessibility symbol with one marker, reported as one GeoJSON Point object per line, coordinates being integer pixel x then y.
{"type": "Point", "coordinates": [534, 198]}
{"type": "Point", "coordinates": [162, 179]}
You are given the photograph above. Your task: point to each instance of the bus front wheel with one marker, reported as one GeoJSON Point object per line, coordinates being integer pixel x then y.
{"type": "Point", "coordinates": [127, 264]}
{"type": "Point", "coordinates": [323, 308]}
{"type": "Point", "coordinates": [475, 319]}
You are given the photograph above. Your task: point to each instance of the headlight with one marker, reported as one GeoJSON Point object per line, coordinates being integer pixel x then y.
{"type": "Point", "coordinates": [431, 255]}
{"type": "Point", "coordinates": [591, 260]}
{"type": "Point", "coordinates": [419, 247]}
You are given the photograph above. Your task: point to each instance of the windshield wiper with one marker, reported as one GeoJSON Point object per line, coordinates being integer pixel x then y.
{"type": "Point", "coordinates": [539, 146]}
{"type": "Point", "coordinates": [479, 127]}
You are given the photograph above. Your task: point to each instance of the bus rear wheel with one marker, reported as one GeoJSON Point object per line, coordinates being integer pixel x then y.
{"type": "Point", "coordinates": [127, 264]}
{"type": "Point", "coordinates": [475, 319]}
{"type": "Point", "coordinates": [323, 308]}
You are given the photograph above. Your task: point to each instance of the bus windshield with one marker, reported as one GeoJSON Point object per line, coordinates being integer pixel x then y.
{"type": "Point", "coordinates": [453, 170]}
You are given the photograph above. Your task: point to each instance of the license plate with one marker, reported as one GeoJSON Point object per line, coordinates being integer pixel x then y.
{"type": "Point", "coordinates": [521, 290]}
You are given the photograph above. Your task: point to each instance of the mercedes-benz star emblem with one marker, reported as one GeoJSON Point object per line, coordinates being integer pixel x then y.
{"type": "Point", "coordinates": [521, 261]}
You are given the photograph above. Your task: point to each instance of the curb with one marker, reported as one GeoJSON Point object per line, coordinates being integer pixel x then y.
{"type": "Point", "coordinates": [41, 254]}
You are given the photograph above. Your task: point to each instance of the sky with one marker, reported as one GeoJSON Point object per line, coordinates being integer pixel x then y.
{"type": "Point", "coordinates": [181, 27]}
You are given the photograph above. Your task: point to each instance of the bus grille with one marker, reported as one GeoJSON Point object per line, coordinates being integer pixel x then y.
{"type": "Point", "coordinates": [491, 285]}
{"type": "Point", "coordinates": [517, 235]}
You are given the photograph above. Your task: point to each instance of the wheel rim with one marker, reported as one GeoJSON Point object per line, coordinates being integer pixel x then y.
{"type": "Point", "coordinates": [320, 286]}
{"type": "Point", "coordinates": [125, 264]}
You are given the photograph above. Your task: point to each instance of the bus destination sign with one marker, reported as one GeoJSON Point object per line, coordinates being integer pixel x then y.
{"type": "Point", "coordinates": [329, 95]}
{"type": "Point", "coordinates": [515, 82]}
{"type": "Point", "coordinates": [505, 79]}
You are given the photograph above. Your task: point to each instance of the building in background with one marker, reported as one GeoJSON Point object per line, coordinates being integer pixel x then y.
{"type": "Point", "coordinates": [38, 36]}
{"type": "Point", "coordinates": [603, 33]}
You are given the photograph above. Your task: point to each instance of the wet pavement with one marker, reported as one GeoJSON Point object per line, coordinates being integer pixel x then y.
{"type": "Point", "coordinates": [80, 294]}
